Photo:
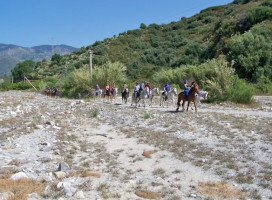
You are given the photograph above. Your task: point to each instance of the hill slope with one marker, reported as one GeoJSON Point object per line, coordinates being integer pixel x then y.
{"type": "Point", "coordinates": [239, 32]}
{"type": "Point", "coordinates": [10, 55]}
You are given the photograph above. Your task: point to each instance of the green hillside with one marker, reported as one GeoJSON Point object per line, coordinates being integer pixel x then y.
{"type": "Point", "coordinates": [240, 32]}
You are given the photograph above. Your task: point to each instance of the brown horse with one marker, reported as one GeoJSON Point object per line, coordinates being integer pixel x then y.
{"type": "Point", "coordinates": [191, 97]}
{"type": "Point", "coordinates": [107, 95]}
{"type": "Point", "coordinates": [125, 95]}
{"type": "Point", "coordinates": [48, 92]}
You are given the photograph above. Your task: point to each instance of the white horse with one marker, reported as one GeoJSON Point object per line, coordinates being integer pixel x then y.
{"type": "Point", "coordinates": [98, 94]}
{"type": "Point", "coordinates": [152, 94]}
{"type": "Point", "coordinates": [170, 96]}
{"type": "Point", "coordinates": [203, 94]}
{"type": "Point", "coordinates": [143, 95]}
{"type": "Point", "coordinates": [114, 92]}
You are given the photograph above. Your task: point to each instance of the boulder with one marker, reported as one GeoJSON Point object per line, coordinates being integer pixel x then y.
{"type": "Point", "coordinates": [18, 175]}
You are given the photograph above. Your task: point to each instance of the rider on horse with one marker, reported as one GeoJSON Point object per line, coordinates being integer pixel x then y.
{"type": "Point", "coordinates": [137, 90]}
{"type": "Point", "coordinates": [125, 87]}
{"type": "Point", "coordinates": [142, 86]}
{"type": "Point", "coordinates": [107, 89]}
{"type": "Point", "coordinates": [147, 85]}
{"type": "Point", "coordinates": [97, 89]}
{"type": "Point", "coordinates": [113, 88]}
{"type": "Point", "coordinates": [167, 88]}
{"type": "Point", "coordinates": [186, 89]}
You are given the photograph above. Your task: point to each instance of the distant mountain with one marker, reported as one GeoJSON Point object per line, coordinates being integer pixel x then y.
{"type": "Point", "coordinates": [10, 55]}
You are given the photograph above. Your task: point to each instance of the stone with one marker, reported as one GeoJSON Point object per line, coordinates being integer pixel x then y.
{"type": "Point", "coordinates": [6, 195]}
{"type": "Point", "coordinates": [79, 195]}
{"type": "Point", "coordinates": [63, 166]}
{"type": "Point", "coordinates": [60, 174]}
{"type": "Point", "coordinates": [18, 175]}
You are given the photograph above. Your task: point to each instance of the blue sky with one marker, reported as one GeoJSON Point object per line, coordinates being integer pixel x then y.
{"type": "Point", "coordinates": [82, 22]}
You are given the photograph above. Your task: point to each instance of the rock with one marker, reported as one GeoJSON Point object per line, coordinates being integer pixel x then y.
{"type": "Point", "coordinates": [18, 175]}
{"type": "Point", "coordinates": [6, 195]}
{"type": "Point", "coordinates": [34, 196]}
{"type": "Point", "coordinates": [68, 189]}
{"type": "Point", "coordinates": [60, 174]}
{"type": "Point", "coordinates": [63, 166]}
{"type": "Point", "coordinates": [39, 126]}
{"type": "Point", "coordinates": [79, 195]}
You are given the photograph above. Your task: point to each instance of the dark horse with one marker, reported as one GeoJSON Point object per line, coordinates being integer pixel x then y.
{"type": "Point", "coordinates": [48, 92]}
{"type": "Point", "coordinates": [125, 95]}
{"type": "Point", "coordinates": [191, 97]}
{"type": "Point", "coordinates": [54, 92]}
{"type": "Point", "coordinates": [107, 95]}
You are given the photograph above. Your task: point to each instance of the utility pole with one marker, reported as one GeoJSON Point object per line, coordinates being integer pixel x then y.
{"type": "Point", "coordinates": [91, 62]}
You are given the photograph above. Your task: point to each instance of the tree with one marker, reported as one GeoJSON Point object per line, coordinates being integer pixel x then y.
{"type": "Point", "coordinates": [56, 58]}
{"type": "Point", "coordinates": [22, 69]}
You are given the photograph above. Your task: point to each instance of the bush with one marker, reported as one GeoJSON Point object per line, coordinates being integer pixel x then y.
{"type": "Point", "coordinates": [241, 92]}
{"type": "Point", "coordinates": [94, 112]}
{"type": "Point", "coordinates": [264, 85]}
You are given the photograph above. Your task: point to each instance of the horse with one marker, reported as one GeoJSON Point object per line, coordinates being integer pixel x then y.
{"type": "Point", "coordinates": [152, 94]}
{"type": "Point", "coordinates": [125, 95]}
{"type": "Point", "coordinates": [142, 96]}
{"type": "Point", "coordinates": [170, 96]}
{"type": "Point", "coordinates": [191, 97]}
{"type": "Point", "coordinates": [98, 94]}
{"type": "Point", "coordinates": [113, 93]}
{"type": "Point", "coordinates": [203, 94]}
{"type": "Point", "coordinates": [48, 92]}
{"type": "Point", "coordinates": [107, 94]}
{"type": "Point", "coordinates": [54, 92]}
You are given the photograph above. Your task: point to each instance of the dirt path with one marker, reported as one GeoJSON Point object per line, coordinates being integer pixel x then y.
{"type": "Point", "coordinates": [116, 151]}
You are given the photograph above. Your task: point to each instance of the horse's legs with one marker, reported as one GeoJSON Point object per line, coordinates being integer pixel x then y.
{"type": "Point", "coordinates": [195, 106]}
{"type": "Point", "coordinates": [178, 103]}
{"type": "Point", "coordinates": [188, 105]}
{"type": "Point", "coordinates": [183, 102]}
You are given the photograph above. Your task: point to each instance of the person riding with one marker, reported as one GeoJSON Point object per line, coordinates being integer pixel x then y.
{"type": "Point", "coordinates": [113, 88]}
{"type": "Point", "coordinates": [167, 88]}
{"type": "Point", "coordinates": [125, 87]}
{"type": "Point", "coordinates": [137, 89]}
{"type": "Point", "coordinates": [97, 89]}
{"type": "Point", "coordinates": [149, 87]}
{"type": "Point", "coordinates": [142, 86]}
{"type": "Point", "coordinates": [107, 89]}
{"type": "Point", "coordinates": [186, 89]}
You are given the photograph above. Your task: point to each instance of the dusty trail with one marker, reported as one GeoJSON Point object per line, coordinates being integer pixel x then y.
{"type": "Point", "coordinates": [106, 147]}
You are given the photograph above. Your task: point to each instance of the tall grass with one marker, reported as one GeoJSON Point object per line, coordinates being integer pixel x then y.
{"type": "Point", "coordinates": [215, 76]}
{"type": "Point", "coordinates": [80, 83]}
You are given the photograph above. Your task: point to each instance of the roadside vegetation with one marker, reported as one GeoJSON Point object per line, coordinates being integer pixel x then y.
{"type": "Point", "coordinates": [226, 49]}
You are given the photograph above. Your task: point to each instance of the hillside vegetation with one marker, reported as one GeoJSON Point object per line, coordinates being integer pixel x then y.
{"type": "Point", "coordinates": [238, 34]}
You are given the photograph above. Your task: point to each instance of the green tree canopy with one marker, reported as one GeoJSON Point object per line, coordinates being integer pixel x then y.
{"type": "Point", "coordinates": [22, 69]}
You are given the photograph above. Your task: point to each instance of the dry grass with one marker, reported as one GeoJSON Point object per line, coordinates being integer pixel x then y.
{"type": "Point", "coordinates": [220, 190]}
{"type": "Point", "coordinates": [147, 194]}
{"type": "Point", "coordinates": [85, 173]}
{"type": "Point", "coordinates": [21, 188]}
{"type": "Point", "coordinates": [148, 154]}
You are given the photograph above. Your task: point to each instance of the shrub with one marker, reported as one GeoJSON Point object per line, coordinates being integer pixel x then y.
{"type": "Point", "coordinates": [94, 112]}
{"type": "Point", "coordinates": [241, 92]}
{"type": "Point", "coordinates": [264, 85]}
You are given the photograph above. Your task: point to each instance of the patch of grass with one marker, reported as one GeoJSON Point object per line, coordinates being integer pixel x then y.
{"type": "Point", "coordinates": [147, 154]}
{"type": "Point", "coordinates": [94, 112]}
{"type": "Point", "coordinates": [159, 172]}
{"type": "Point", "coordinates": [147, 194]}
{"type": "Point", "coordinates": [85, 173]}
{"type": "Point", "coordinates": [220, 190]}
{"type": "Point", "coordinates": [146, 115]}
{"type": "Point", "coordinates": [21, 188]}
